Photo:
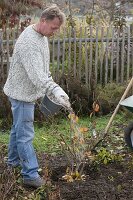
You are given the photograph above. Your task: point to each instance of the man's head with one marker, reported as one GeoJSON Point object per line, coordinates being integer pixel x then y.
{"type": "Point", "coordinates": [51, 20]}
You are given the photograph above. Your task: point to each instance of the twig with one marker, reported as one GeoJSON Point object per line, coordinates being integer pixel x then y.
{"type": "Point", "coordinates": [67, 145]}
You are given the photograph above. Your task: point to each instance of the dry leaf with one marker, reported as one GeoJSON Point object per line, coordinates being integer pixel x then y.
{"type": "Point", "coordinates": [96, 107]}
{"type": "Point", "coordinates": [83, 129]}
{"type": "Point", "coordinates": [68, 178]}
{"type": "Point", "coordinates": [63, 143]}
{"type": "Point", "coordinates": [75, 138]}
{"type": "Point", "coordinates": [73, 117]}
{"type": "Point", "coordinates": [81, 141]}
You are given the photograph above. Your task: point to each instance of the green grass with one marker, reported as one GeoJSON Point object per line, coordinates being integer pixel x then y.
{"type": "Point", "coordinates": [4, 137]}
{"type": "Point", "coordinates": [47, 136]}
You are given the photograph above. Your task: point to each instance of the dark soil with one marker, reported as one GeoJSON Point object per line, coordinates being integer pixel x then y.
{"type": "Point", "coordinates": [113, 181]}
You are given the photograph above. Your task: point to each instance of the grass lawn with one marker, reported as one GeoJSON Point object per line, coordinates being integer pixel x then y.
{"type": "Point", "coordinates": [47, 135]}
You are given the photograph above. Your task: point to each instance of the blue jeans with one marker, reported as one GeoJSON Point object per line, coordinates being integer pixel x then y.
{"type": "Point", "coordinates": [20, 149]}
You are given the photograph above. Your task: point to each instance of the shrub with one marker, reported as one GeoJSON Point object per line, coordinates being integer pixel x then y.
{"type": "Point", "coordinates": [109, 96]}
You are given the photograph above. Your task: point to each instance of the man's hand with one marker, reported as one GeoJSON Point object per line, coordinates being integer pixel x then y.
{"type": "Point", "coordinates": [62, 97]}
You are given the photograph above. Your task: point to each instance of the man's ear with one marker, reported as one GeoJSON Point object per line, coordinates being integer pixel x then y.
{"type": "Point", "coordinates": [43, 20]}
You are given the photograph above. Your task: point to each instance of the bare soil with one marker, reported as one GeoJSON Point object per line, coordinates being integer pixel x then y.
{"type": "Point", "coordinates": [113, 181]}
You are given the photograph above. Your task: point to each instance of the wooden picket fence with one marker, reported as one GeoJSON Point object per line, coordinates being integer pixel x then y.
{"type": "Point", "coordinates": [89, 54]}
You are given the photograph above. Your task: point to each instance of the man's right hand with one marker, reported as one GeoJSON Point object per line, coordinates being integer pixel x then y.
{"type": "Point", "coordinates": [62, 97]}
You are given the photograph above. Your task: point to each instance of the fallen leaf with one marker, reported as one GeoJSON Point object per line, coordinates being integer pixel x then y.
{"type": "Point", "coordinates": [73, 117]}
{"type": "Point", "coordinates": [83, 129]}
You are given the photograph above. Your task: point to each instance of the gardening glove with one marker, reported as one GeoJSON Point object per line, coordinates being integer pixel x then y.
{"type": "Point", "coordinates": [61, 97]}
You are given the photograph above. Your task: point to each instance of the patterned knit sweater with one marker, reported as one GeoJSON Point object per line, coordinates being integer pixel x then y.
{"type": "Point", "coordinates": [29, 77]}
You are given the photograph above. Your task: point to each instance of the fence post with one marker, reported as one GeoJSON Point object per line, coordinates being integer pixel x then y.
{"type": "Point", "coordinates": [80, 54]}
{"type": "Point", "coordinates": [101, 56]}
{"type": "Point", "coordinates": [86, 58]}
{"type": "Point", "coordinates": [118, 56]}
{"type": "Point", "coordinates": [96, 56]}
{"type": "Point", "coordinates": [91, 50]}
{"type": "Point", "coordinates": [128, 53]}
{"type": "Point", "coordinates": [122, 55]}
{"type": "Point", "coordinates": [74, 65]}
{"type": "Point", "coordinates": [106, 56]}
{"type": "Point", "coordinates": [63, 55]}
{"type": "Point", "coordinates": [112, 55]}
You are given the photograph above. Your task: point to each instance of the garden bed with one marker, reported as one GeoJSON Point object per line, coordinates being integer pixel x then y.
{"type": "Point", "coordinates": [105, 179]}
{"type": "Point", "coordinates": [113, 181]}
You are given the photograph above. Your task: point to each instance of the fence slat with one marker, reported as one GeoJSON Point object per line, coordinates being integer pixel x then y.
{"type": "Point", "coordinates": [101, 55]}
{"type": "Point", "coordinates": [122, 55]}
{"type": "Point", "coordinates": [118, 56]}
{"type": "Point", "coordinates": [96, 55]}
{"type": "Point", "coordinates": [53, 56]}
{"type": "Point", "coordinates": [80, 53]}
{"type": "Point", "coordinates": [86, 59]}
{"type": "Point", "coordinates": [14, 39]}
{"type": "Point", "coordinates": [58, 57]}
{"type": "Point", "coordinates": [91, 49]}
{"type": "Point", "coordinates": [128, 53]}
{"type": "Point", "coordinates": [1, 57]}
{"type": "Point", "coordinates": [74, 65]}
{"type": "Point", "coordinates": [112, 56]}
{"type": "Point", "coordinates": [69, 51]}
{"type": "Point", "coordinates": [63, 51]}
{"type": "Point", "coordinates": [7, 50]}
{"type": "Point", "coordinates": [106, 57]}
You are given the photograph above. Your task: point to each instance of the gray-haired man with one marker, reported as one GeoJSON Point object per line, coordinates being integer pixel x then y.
{"type": "Point", "coordinates": [28, 80]}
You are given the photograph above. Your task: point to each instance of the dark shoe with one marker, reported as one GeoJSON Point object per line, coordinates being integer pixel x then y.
{"type": "Point", "coordinates": [36, 183]}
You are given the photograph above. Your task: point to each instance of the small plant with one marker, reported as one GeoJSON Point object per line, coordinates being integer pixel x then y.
{"type": "Point", "coordinates": [104, 156]}
{"type": "Point", "coordinates": [75, 151]}
{"type": "Point", "coordinates": [78, 151]}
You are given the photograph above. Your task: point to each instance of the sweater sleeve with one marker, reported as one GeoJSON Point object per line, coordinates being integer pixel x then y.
{"type": "Point", "coordinates": [37, 69]}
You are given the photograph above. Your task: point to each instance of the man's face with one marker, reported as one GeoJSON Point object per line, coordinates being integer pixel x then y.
{"type": "Point", "coordinates": [49, 27]}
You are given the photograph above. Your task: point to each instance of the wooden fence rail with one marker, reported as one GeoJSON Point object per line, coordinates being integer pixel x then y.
{"type": "Point", "coordinates": [90, 54]}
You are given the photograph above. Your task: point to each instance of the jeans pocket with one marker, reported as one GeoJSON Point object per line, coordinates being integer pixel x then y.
{"type": "Point", "coordinates": [28, 112]}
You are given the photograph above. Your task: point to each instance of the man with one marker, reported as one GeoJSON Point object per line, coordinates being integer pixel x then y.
{"type": "Point", "coordinates": [28, 80]}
